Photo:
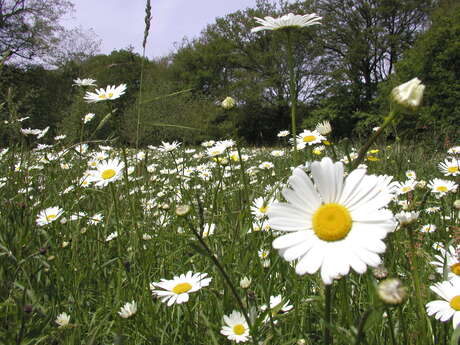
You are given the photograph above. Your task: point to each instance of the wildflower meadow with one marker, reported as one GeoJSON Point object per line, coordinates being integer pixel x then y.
{"type": "Point", "coordinates": [312, 240]}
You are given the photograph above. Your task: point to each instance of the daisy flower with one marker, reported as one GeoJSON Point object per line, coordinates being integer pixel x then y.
{"type": "Point", "coordinates": [454, 150]}
{"type": "Point", "coordinates": [405, 187]}
{"type": "Point", "coordinates": [428, 228]}
{"type": "Point", "coordinates": [84, 82]}
{"type": "Point", "coordinates": [276, 306]}
{"type": "Point", "coordinates": [88, 117]}
{"type": "Point", "coordinates": [107, 171]}
{"type": "Point", "coordinates": [450, 259]}
{"type": "Point", "coordinates": [449, 307]}
{"type": "Point", "coordinates": [333, 218]}
{"type": "Point", "coordinates": [177, 290]}
{"type": "Point", "coordinates": [48, 215]}
{"type": "Point", "coordinates": [259, 207]}
{"type": "Point", "coordinates": [128, 310]}
{"type": "Point", "coordinates": [109, 93]}
{"type": "Point", "coordinates": [406, 217]}
{"type": "Point", "coordinates": [287, 21]}
{"type": "Point", "coordinates": [309, 137]}
{"type": "Point", "coordinates": [168, 147]}
{"type": "Point", "coordinates": [323, 128]}
{"type": "Point", "coordinates": [450, 167]}
{"type": "Point", "coordinates": [62, 320]}
{"type": "Point", "coordinates": [283, 134]}
{"type": "Point", "coordinates": [236, 328]}
{"type": "Point", "coordinates": [442, 187]}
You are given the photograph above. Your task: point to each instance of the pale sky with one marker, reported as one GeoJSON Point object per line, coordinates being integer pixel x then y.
{"type": "Point", "coordinates": [120, 23]}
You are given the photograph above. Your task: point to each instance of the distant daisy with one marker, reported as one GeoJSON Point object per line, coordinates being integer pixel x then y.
{"type": "Point", "coordinates": [259, 207]}
{"type": "Point", "coordinates": [106, 172]}
{"type": "Point", "coordinates": [333, 218]}
{"type": "Point", "coordinates": [177, 290]}
{"type": "Point", "coordinates": [449, 307]}
{"type": "Point", "coordinates": [168, 147]}
{"type": "Point", "coordinates": [310, 137]}
{"type": "Point", "coordinates": [428, 228]}
{"type": "Point", "coordinates": [441, 187]}
{"type": "Point", "coordinates": [287, 21]}
{"type": "Point", "coordinates": [283, 134]}
{"type": "Point", "coordinates": [49, 215]}
{"type": "Point", "coordinates": [450, 167]}
{"type": "Point", "coordinates": [277, 306]}
{"type": "Point", "coordinates": [109, 93]}
{"type": "Point", "coordinates": [62, 320]}
{"type": "Point", "coordinates": [128, 310]}
{"type": "Point", "coordinates": [88, 117]}
{"type": "Point", "coordinates": [323, 128]}
{"type": "Point", "coordinates": [454, 150]}
{"type": "Point", "coordinates": [236, 328]}
{"type": "Point", "coordinates": [405, 187]}
{"type": "Point", "coordinates": [84, 82]}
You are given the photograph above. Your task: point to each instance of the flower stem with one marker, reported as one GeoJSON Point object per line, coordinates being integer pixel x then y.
{"type": "Point", "coordinates": [362, 152]}
{"type": "Point", "coordinates": [327, 315]}
{"type": "Point", "coordinates": [293, 93]}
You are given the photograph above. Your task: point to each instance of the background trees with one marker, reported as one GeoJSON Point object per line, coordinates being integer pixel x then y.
{"type": "Point", "coordinates": [345, 69]}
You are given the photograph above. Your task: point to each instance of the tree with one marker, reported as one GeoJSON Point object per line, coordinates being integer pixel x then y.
{"type": "Point", "coordinates": [28, 28]}
{"type": "Point", "coordinates": [363, 40]}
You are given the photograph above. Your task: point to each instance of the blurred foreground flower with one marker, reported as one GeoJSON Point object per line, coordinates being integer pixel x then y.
{"type": "Point", "coordinates": [409, 94]}
{"type": "Point", "coordinates": [392, 291]}
{"type": "Point", "coordinates": [333, 218]}
{"type": "Point", "coordinates": [287, 21]}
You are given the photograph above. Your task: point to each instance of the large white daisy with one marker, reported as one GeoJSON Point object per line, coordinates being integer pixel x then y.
{"type": "Point", "coordinates": [333, 224]}
{"type": "Point", "coordinates": [450, 306]}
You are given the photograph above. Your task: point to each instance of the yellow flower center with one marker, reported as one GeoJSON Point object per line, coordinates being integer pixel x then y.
{"type": "Point", "coordinates": [441, 189]}
{"type": "Point", "coordinates": [455, 268]}
{"type": "Point", "coordinates": [107, 174]}
{"type": "Point", "coordinates": [263, 209]}
{"type": "Point", "coordinates": [102, 96]}
{"type": "Point", "coordinates": [50, 217]}
{"type": "Point", "coordinates": [332, 222]}
{"type": "Point", "coordinates": [326, 142]}
{"type": "Point", "coordinates": [372, 158]}
{"type": "Point", "coordinates": [238, 329]}
{"type": "Point", "coordinates": [110, 95]}
{"type": "Point", "coordinates": [406, 189]}
{"type": "Point", "coordinates": [181, 288]}
{"type": "Point", "coordinates": [309, 138]}
{"type": "Point", "coordinates": [452, 169]}
{"type": "Point", "coordinates": [455, 303]}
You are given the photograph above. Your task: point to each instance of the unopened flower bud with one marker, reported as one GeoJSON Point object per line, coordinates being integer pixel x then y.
{"type": "Point", "coordinates": [245, 282]}
{"type": "Point", "coordinates": [380, 272]}
{"type": "Point", "coordinates": [228, 103]}
{"type": "Point", "coordinates": [457, 204]}
{"type": "Point", "coordinates": [392, 291]}
{"type": "Point", "coordinates": [182, 210]}
{"type": "Point", "coordinates": [409, 94]}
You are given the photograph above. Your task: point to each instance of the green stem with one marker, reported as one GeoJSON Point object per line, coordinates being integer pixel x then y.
{"type": "Point", "coordinates": [327, 315]}
{"type": "Point", "coordinates": [361, 335]}
{"type": "Point", "coordinates": [392, 329]}
{"type": "Point", "coordinates": [293, 93]}
{"type": "Point", "coordinates": [226, 278]}
{"type": "Point", "coordinates": [362, 152]}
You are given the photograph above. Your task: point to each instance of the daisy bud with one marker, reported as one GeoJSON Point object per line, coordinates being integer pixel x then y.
{"type": "Point", "coordinates": [245, 282]}
{"type": "Point", "coordinates": [409, 94]}
{"type": "Point", "coordinates": [392, 291]}
{"type": "Point", "coordinates": [182, 210]}
{"type": "Point", "coordinates": [380, 272]}
{"type": "Point", "coordinates": [457, 204]}
{"type": "Point", "coordinates": [228, 103]}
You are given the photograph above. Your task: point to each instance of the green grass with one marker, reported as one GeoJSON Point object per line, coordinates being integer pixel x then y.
{"type": "Point", "coordinates": [70, 267]}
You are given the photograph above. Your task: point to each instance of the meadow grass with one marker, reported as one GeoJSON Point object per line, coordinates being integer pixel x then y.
{"type": "Point", "coordinates": [161, 208]}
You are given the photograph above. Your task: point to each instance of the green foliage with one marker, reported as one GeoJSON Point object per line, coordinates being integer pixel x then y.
{"type": "Point", "coordinates": [434, 59]}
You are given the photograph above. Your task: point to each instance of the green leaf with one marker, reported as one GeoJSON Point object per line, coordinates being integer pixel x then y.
{"type": "Point", "coordinates": [455, 339]}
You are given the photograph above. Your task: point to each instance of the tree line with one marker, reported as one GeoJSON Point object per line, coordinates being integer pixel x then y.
{"type": "Point", "coordinates": [345, 69]}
